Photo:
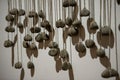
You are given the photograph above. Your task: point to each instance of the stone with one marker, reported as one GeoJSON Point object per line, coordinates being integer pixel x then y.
{"type": "Point", "coordinates": [8, 43]}
{"type": "Point", "coordinates": [109, 73]}
{"type": "Point", "coordinates": [28, 37]}
{"type": "Point", "coordinates": [35, 29]}
{"type": "Point", "coordinates": [93, 25]}
{"type": "Point", "coordinates": [30, 65]}
{"type": "Point", "coordinates": [72, 3]}
{"type": "Point", "coordinates": [72, 31]}
{"type": "Point", "coordinates": [19, 25]}
{"type": "Point", "coordinates": [106, 30]}
{"type": "Point", "coordinates": [14, 11]}
{"type": "Point", "coordinates": [9, 18]}
{"type": "Point", "coordinates": [53, 52]}
{"type": "Point", "coordinates": [64, 53]}
{"type": "Point", "coordinates": [41, 14]}
{"type": "Point", "coordinates": [39, 37]}
{"type": "Point", "coordinates": [80, 47]}
{"type": "Point", "coordinates": [25, 44]}
{"type": "Point", "coordinates": [18, 65]}
{"type": "Point", "coordinates": [101, 53]}
{"type": "Point", "coordinates": [33, 46]}
{"type": "Point", "coordinates": [66, 3]}
{"type": "Point", "coordinates": [60, 24]}
{"type": "Point", "coordinates": [89, 43]}
{"type": "Point", "coordinates": [10, 29]}
{"type": "Point", "coordinates": [76, 23]}
{"type": "Point", "coordinates": [53, 45]}
{"type": "Point", "coordinates": [21, 12]}
{"type": "Point", "coordinates": [68, 21]}
{"type": "Point", "coordinates": [84, 12]}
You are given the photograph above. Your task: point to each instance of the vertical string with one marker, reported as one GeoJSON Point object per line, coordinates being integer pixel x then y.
{"type": "Point", "coordinates": [51, 17]}
{"type": "Point", "coordinates": [15, 3]}
{"type": "Point", "coordinates": [70, 37]}
{"type": "Point", "coordinates": [89, 16]}
{"type": "Point", "coordinates": [100, 21]}
{"type": "Point", "coordinates": [94, 9]}
{"type": "Point", "coordinates": [80, 9]}
{"type": "Point", "coordinates": [8, 12]}
{"type": "Point", "coordinates": [59, 10]}
{"type": "Point", "coordinates": [104, 13]}
{"type": "Point", "coordinates": [58, 17]}
{"type": "Point", "coordinates": [33, 4]}
{"type": "Point", "coordinates": [93, 14]}
{"type": "Point", "coordinates": [20, 7]}
{"type": "Point", "coordinates": [115, 17]}
{"type": "Point", "coordinates": [109, 24]}
{"type": "Point", "coordinates": [84, 3]}
{"type": "Point", "coordinates": [63, 17]}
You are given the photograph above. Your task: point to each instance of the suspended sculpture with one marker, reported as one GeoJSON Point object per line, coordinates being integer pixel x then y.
{"type": "Point", "coordinates": [33, 20]}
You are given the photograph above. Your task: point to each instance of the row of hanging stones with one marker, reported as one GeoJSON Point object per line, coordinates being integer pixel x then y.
{"type": "Point", "coordinates": [39, 28]}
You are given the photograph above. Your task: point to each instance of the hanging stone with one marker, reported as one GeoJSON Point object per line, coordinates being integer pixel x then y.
{"type": "Point", "coordinates": [72, 31]}
{"type": "Point", "coordinates": [72, 3]}
{"type": "Point", "coordinates": [53, 45]}
{"type": "Point", "coordinates": [18, 65]}
{"type": "Point", "coordinates": [49, 28]}
{"type": "Point", "coordinates": [21, 12]}
{"type": "Point", "coordinates": [41, 14]}
{"type": "Point", "coordinates": [10, 29]}
{"type": "Point", "coordinates": [101, 53]}
{"type": "Point", "coordinates": [14, 11]}
{"type": "Point", "coordinates": [25, 44]}
{"type": "Point", "coordinates": [30, 65]}
{"type": "Point", "coordinates": [45, 36]}
{"type": "Point", "coordinates": [80, 47]}
{"type": "Point", "coordinates": [28, 37]}
{"type": "Point", "coordinates": [106, 30]}
{"type": "Point", "coordinates": [64, 53]}
{"type": "Point", "coordinates": [35, 29]}
{"type": "Point", "coordinates": [68, 21]}
{"type": "Point", "coordinates": [60, 24]}
{"type": "Point", "coordinates": [9, 18]}
{"type": "Point", "coordinates": [53, 52]}
{"type": "Point", "coordinates": [109, 73]}
{"type": "Point", "coordinates": [31, 14]}
{"type": "Point", "coordinates": [8, 43]}
{"type": "Point", "coordinates": [33, 46]}
{"type": "Point", "coordinates": [39, 38]}
{"type": "Point", "coordinates": [77, 23]}
{"type": "Point", "coordinates": [84, 12]}
{"type": "Point", "coordinates": [19, 25]}
{"type": "Point", "coordinates": [45, 23]}
{"type": "Point", "coordinates": [66, 65]}
{"type": "Point", "coordinates": [89, 43]}
{"type": "Point", "coordinates": [93, 25]}
{"type": "Point", "coordinates": [66, 3]}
